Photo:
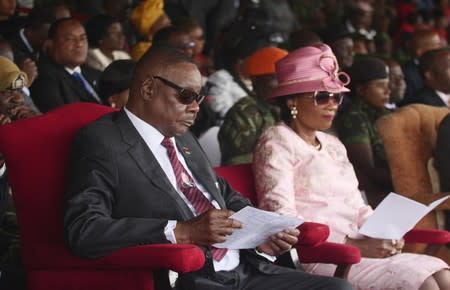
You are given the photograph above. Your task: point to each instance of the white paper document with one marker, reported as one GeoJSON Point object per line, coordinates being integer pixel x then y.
{"type": "Point", "coordinates": [395, 216]}
{"type": "Point", "coordinates": [257, 226]}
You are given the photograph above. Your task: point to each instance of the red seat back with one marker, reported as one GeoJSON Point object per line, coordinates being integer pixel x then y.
{"type": "Point", "coordinates": [36, 153]}
{"type": "Point", "coordinates": [240, 177]}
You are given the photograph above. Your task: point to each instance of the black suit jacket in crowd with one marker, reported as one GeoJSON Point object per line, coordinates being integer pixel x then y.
{"type": "Point", "coordinates": [413, 79]}
{"type": "Point", "coordinates": [118, 196]}
{"type": "Point", "coordinates": [55, 87]}
{"type": "Point", "coordinates": [428, 96]}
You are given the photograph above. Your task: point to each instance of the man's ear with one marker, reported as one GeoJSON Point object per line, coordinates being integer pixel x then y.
{"type": "Point", "coordinates": [147, 88]}
{"type": "Point", "coordinates": [428, 75]}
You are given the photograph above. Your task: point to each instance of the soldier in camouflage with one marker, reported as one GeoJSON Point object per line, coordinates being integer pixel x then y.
{"type": "Point", "coordinates": [246, 120]}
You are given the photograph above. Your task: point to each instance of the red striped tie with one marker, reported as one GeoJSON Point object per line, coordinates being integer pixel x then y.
{"type": "Point", "coordinates": [187, 186]}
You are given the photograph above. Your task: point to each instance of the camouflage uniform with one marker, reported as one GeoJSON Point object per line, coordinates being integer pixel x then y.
{"type": "Point", "coordinates": [242, 126]}
{"type": "Point", "coordinates": [356, 125]}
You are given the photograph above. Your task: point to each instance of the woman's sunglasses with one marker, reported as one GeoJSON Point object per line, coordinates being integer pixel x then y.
{"type": "Point", "coordinates": [185, 96]}
{"type": "Point", "coordinates": [322, 98]}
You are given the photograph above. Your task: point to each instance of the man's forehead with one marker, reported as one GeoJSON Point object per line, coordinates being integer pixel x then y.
{"type": "Point", "coordinates": [70, 28]}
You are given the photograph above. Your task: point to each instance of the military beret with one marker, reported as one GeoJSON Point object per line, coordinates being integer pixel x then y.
{"type": "Point", "coordinates": [365, 69]}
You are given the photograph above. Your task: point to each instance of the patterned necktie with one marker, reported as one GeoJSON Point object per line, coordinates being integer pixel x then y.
{"type": "Point", "coordinates": [87, 87]}
{"type": "Point", "coordinates": [187, 186]}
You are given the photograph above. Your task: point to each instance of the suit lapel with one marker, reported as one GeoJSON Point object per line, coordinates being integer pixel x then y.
{"type": "Point", "coordinates": [201, 170]}
{"type": "Point", "coordinates": [147, 162]}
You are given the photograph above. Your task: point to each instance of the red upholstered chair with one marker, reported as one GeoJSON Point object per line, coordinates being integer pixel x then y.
{"type": "Point", "coordinates": [312, 246]}
{"type": "Point", "coordinates": [36, 152]}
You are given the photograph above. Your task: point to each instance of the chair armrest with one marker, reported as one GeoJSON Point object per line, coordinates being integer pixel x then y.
{"type": "Point", "coordinates": [329, 253]}
{"type": "Point", "coordinates": [312, 234]}
{"type": "Point", "coordinates": [179, 257]}
{"type": "Point", "coordinates": [427, 236]}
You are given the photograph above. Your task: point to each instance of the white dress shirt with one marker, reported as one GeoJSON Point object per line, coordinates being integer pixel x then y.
{"type": "Point", "coordinates": [444, 97]}
{"type": "Point", "coordinates": [153, 138]}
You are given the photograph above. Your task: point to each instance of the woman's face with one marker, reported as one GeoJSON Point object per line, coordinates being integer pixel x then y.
{"type": "Point", "coordinates": [311, 116]}
{"type": "Point", "coordinates": [114, 38]}
{"type": "Point", "coordinates": [375, 93]}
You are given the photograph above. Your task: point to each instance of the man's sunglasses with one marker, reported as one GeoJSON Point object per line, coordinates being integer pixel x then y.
{"type": "Point", "coordinates": [322, 98]}
{"type": "Point", "coordinates": [185, 96]}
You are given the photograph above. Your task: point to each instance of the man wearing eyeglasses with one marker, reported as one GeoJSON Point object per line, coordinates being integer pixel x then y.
{"type": "Point", "coordinates": [139, 177]}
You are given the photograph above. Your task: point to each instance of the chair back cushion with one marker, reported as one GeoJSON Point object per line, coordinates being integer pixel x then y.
{"type": "Point", "coordinates": [36, 151]}
{"type": "Point", "coordinates": [409, 136]}
{"type": "Point", "coordinates": [240, 177]}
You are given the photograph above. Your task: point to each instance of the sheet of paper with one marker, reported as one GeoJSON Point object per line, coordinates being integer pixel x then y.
{"type": "Point", "coordinates": [395, 216]}
{"type": "Point", "coordinates": [258, 225]}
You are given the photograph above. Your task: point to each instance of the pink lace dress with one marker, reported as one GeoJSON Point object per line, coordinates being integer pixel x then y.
{"type": "Point", "coordinates": [293, 178]}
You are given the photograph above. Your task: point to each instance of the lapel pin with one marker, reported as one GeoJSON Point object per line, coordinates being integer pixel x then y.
{"type": "Point", "coordinates": [186, 150]}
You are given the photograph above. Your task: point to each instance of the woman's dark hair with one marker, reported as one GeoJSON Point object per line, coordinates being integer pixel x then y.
{"type": "Point", "coordinates": [285, 111]}
{"type": "Point", "coordinates": [97, 28]}
{"type": "Point", "coordinates": [116, 78]}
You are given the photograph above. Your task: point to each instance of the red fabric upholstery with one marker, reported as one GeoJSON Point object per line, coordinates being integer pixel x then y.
{"type": "Point", "coordinates": [427, 236]}
{"type": "Point", "coordinates": [312, 246]}
{"type": "Point", "coordinates": [36, 152]}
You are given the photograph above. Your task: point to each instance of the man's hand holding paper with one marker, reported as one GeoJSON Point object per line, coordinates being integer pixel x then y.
{"type": "Point", "coordinates": [272, 233]}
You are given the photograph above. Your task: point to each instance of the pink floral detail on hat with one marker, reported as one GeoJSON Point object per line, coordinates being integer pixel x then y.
{"type": "Point", "coordinates": [309, 69]}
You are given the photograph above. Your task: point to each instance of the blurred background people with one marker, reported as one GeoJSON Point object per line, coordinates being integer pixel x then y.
{"type": "Point", "coordinates": [248, 117]}
{"type": "Point", "coordinates": [106, 41]}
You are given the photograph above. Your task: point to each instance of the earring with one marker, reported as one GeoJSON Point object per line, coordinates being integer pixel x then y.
{"type": "Point", "coordinates": [294, 112]}
{"type": "Point", "coordinates": [113, 105]}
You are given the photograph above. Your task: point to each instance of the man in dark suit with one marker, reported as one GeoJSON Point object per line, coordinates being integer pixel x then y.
{"type": "Point", "coordinates": [128, 185]}
{"type": "Point", "coordinates": [28, 42]}
{"type": "Point", "coordinates": [442, 160]}
{"type": "Point", "coordinates": [421, 42]}
{"type": "Point", "coordinates": [434, 66]}
{"type": "Point", "coordinates": [63, 78]}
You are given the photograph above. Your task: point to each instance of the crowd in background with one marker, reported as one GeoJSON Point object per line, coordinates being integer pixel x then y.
{"type": "Point", "coordinates": [391, 53]}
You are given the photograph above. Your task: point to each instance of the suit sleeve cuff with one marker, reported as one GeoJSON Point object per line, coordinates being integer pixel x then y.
{"type": "Point", "coordinates": [168, 231]}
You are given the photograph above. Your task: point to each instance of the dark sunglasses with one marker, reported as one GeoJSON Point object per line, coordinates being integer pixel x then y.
{"type": "Point", "coordinates": [322, 98]}
{"type": "Point", "coordinates": [185, 96]}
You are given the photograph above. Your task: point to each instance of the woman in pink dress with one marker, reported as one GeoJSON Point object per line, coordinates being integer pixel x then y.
{"type": "Point", "coordinates": [301, 171]}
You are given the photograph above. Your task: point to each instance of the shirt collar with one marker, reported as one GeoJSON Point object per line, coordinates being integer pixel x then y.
{"type": "Point", "coordinates": [444, 97]}
{"type": "Point", "coordinates": [71, 71]}
{"type": "Point", "coordinates": [152, 137]}
{"type": "Point", "coordinates": [25, 40]}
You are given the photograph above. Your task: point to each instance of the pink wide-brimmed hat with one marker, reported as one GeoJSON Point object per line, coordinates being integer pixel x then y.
{"type": "Point", "coordinates": [309, 69]}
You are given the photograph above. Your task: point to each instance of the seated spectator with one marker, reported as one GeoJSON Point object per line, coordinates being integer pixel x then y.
{"type": "Point", "coordinates": [12, 108]}
{"type": "Point", "coordinates": [28, 42]}
{"type": "Point", "coordinates": [63, 77]}
{"type": "Point", "coordinates": [343, 47]}
{"type": "Point", "coordinates": [356, 127]}
{"type": "Point", "coordinates": [421, 41]}
{"type": "Point", "coordinates": [114, 83]}
{"type": "Point", "coordinates": [249, 116]}
{"type": "Point", "coordinates": [197, 36]}
{"type": "Point", "coordinates": [302, 171]}
{"type": "Point", "coordinates": [120, 10]}
{"type": "Point", "coordinates": [106, 41]}
{"type": "Point", "coordinates": [434, 66]}
{"type": "Point", "coordinates": [397, 84]}
{"type": "Point", "coordinates": [147, 18]}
